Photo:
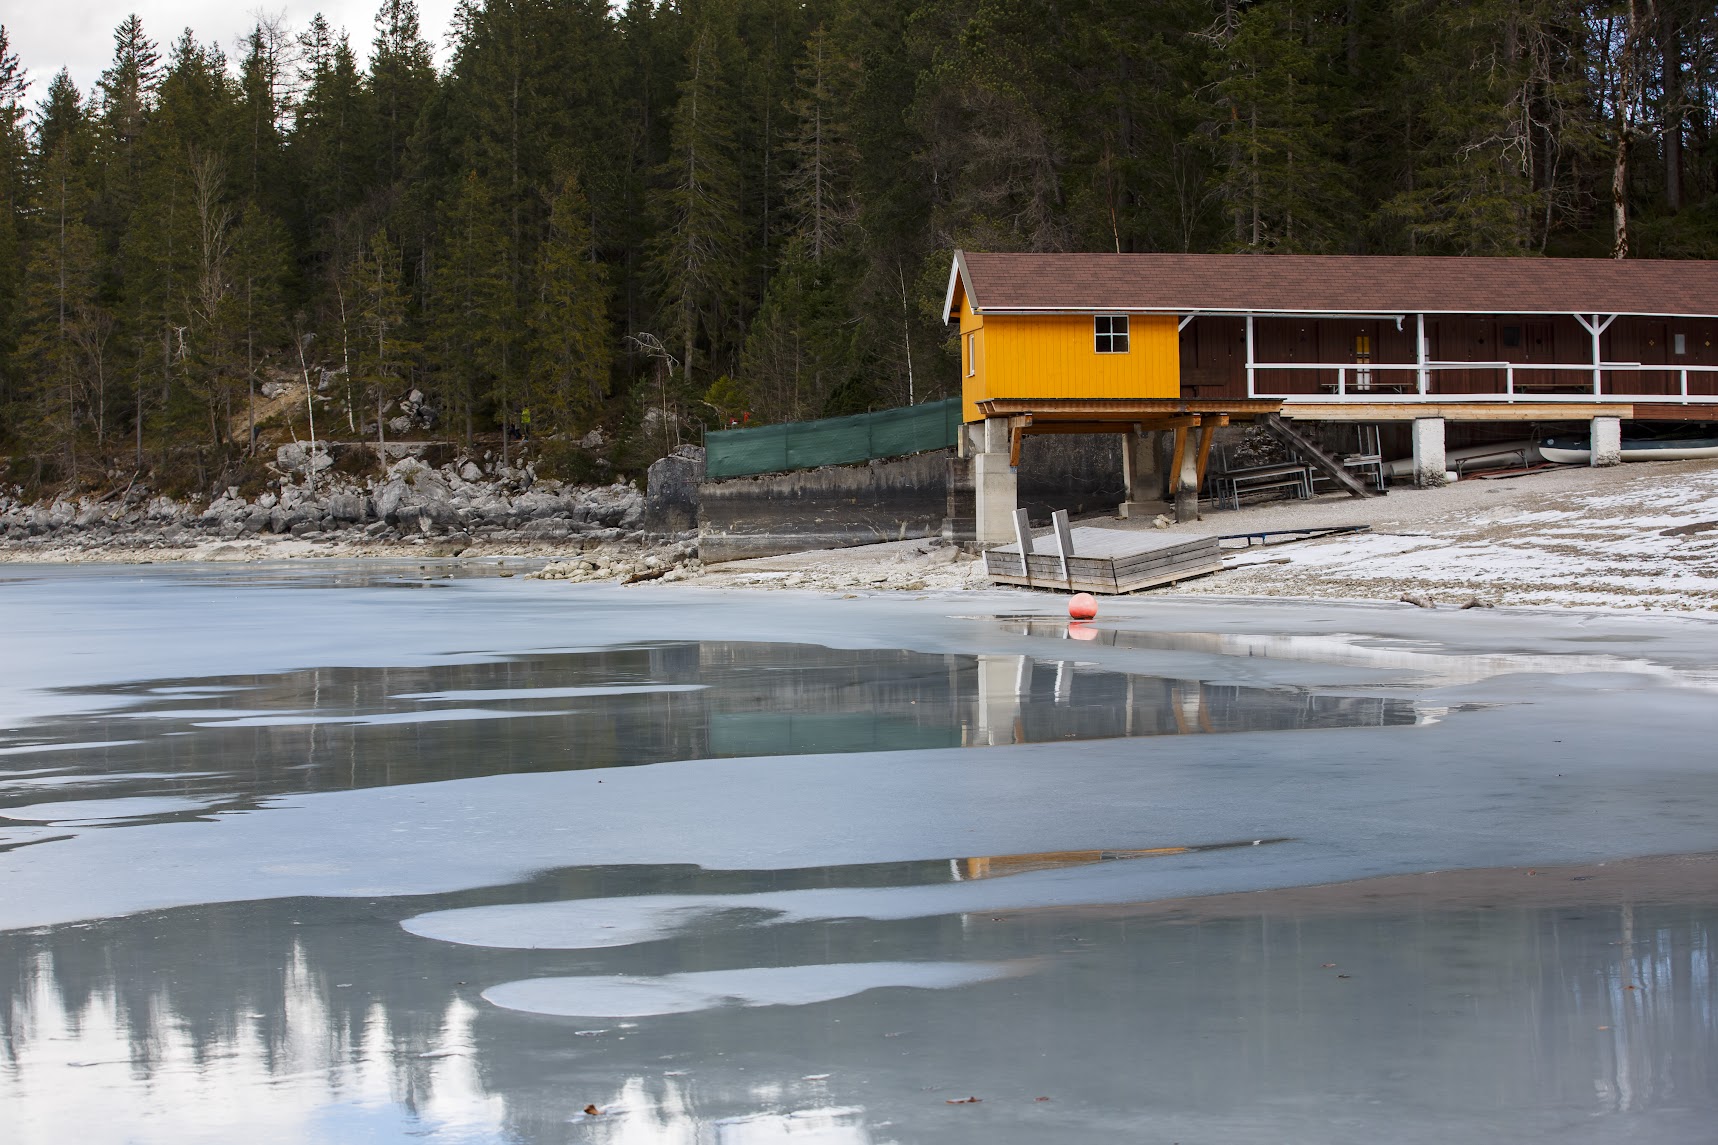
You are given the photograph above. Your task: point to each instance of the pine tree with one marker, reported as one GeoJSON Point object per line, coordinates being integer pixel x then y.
{"type": "Point", "coordinates": [1276, 175]}
{"type": "Point", "coordinates": [385, 352]}
{"type": "Point", "coordinates": [699, 246]}
{"type": "Point", "coordinates": [211, 334]}
{"type": "Point", "coordinates": [264, 106]}
{"type": "Point", "coordinates": [473, 307]}
{"type": "Point", "coordinates": [402, 79]}
{"type": "Point", "coordinates": [14, 162]}
{"type": "Point", "coordinates": [571, 345]}
{"type": "Point", "coordinates": [820, 187]}
{"type": "Point", "coordinates": [1479, 87]}
{"type": "Point", "coordinates": [64, 343]}
{"type": "Point", "coordinates": [334, 134]}
{"type": "Point", "coordinates": [260, 269]}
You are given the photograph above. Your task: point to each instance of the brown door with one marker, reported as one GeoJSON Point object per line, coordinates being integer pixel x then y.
{"type": "Point", "coordinates": [1539, 344]}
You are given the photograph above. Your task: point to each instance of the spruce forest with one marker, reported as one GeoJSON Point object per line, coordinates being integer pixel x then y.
{"type": "Point", "coordinates": [663, 217]}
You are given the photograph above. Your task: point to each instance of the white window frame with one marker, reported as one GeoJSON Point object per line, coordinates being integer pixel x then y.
{"type": "Point", "coordinates": [1679, 344]}
{"type": "Point", "coordinates": [972, 353]}
{"type": "Point", "coordinates": [1104, 341]}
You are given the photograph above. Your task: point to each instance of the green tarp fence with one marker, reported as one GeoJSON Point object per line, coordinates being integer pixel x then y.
{"type": "Point", "coordinates": [831, 441]}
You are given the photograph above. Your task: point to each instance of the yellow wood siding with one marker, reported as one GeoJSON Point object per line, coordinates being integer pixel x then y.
{"type": "Point", "coordinates": [1055, 356]}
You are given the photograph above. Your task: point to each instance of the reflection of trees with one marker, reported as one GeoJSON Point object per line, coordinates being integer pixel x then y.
{"type": "Point", "coordinates": [221, 1018]}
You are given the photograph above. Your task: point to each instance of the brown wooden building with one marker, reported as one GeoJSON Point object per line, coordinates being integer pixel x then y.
{"type": "Point", "coordinates": [1334, 338]}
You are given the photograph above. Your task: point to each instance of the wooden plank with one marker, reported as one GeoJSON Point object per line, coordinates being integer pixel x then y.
{"type": "Point", "coordinates": [1130, 584]}
{"type": "Point", "coordinates": [1023, 537]}
{"type": "Point", "coordinates": [1470, 411]}
{"type": "Point", "coordinates": [1167, 578]}
{"type": "Point", "coordinates": [1105, 408]}
{"type": "Point", "coordinates": [1121, 567]}
{"type": "Point", "coordinates": [1064, 539]}
{"type": "Point", "coordinates": [1097, 542]}
{"type": "Point", "coordinates": [1049, 425]}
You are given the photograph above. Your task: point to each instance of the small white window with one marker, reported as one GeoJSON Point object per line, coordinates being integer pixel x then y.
{"type": "Point", "coordinates": [972, 354]}
{"type": "Point", "coordinates": [1679, 343]}
{"type": "Point", "coordinates": [1111, 331]}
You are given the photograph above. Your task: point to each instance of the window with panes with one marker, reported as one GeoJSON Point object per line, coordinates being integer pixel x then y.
{"type": "Point", "coordinates": [1111, 330]}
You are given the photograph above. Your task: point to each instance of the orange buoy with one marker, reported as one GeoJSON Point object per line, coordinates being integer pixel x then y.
{"type": "Point", "coordinates": [1082, 606]}
{"type": "Point", "coordinates": [1080, 630]}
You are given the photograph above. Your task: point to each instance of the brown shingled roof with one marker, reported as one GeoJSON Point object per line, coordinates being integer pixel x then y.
{"type": "Point", "coordinates": [1370, 284]}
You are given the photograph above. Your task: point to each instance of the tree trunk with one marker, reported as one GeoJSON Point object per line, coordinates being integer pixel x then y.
{"type": "Point", "coordinates": [1671, 53]}
{"type": "Point", "coordinates": [1619, 195]}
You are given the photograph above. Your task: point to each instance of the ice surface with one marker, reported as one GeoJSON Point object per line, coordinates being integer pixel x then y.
{"type": "Point", "coordinates": [322, 959]}
{"type": "Point", "coordinates": [95, 809]}
{"type": "Point", "coordinates": [630, 997]}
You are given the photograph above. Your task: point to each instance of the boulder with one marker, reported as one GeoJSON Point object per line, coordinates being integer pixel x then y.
{"type": "Point", "coordinates": [388, 500]}
{"type": "Point", "coordinates": [345, 507]}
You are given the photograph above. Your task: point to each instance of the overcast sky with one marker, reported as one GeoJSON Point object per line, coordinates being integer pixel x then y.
{"type": "Point", "coordinates": [78, 34]}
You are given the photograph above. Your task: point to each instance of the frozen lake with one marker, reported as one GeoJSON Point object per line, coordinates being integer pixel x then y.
{"type": "Point", "coordinates": [326, 853]}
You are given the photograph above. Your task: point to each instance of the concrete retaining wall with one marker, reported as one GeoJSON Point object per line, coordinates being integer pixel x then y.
{"type": "Point", "coordinates": [835, 507]}
{"type": "Point", "coordinates": [888, 500]}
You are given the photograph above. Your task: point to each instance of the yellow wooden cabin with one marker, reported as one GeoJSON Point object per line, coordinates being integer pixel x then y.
{"type": "Point", "coordinates": [1058, 352]}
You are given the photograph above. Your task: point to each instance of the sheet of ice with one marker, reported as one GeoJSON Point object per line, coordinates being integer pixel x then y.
{"type": "Point", "coordinates": [621, 996]}
{"type": "Point", "coordinates": [87, 810]}
{"type": "Point", "coordinates": [375, 719]}
{"type": "Point", "coordinates": [548, 693]}
{"type": "Point", "coordinates": [72, 629]}
{"type": "Point", "coordinates": [1485, 787]}
{"type": "Point", "coordinates": [597, 923]}
{"type": "Point", "coordinates": [90, 745]}
{"type": "Point", "coordinates": [10, 780]}
{"type": "Point", "coordinates": [1491, 787]}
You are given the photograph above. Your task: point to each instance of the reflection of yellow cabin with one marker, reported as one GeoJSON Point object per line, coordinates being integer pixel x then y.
{"type": "Point", "coordinates": [996, 866]}
{"type": "Point", "coordinates": [1078, 354]}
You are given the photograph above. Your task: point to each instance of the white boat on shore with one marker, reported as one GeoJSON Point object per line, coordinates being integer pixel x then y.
{"type": "Point", "coordinates": [1494, 455]}
{"type": "Point", "coordinates": [1579, 450]}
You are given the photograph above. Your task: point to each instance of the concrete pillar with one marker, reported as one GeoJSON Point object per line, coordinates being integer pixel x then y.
{"type": "Point", "coordinates": [1607, 441]}
{"type": "Point", "coordinates": [1002, 681]}
{"type": "Point", "coordinates": [1187, 483]}
{"type": "Point", "coordinates": [1142, 475]}
{"type": "Point", "coordinates": [1429, 462]}
{"type": "Point", "coordinates": [996, 485]}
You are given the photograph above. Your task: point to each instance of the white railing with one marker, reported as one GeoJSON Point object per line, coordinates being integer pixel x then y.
{"type": "Point", "coordinates": [1591, 374]}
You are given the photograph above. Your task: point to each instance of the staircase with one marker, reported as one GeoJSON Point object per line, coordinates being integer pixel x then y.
{"type": "Point", "coordinates": [1302, 447]}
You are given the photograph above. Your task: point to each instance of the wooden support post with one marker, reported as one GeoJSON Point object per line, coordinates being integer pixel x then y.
{"type": "Point", "coordinates": [1208, 426]}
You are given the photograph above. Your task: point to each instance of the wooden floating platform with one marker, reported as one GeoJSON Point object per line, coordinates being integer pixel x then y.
{"type": "Point", "coordinates": [1105, 560]}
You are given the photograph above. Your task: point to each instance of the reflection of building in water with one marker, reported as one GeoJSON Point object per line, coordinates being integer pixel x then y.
{"type": "Point", "coordinates": [1004, 682]}
{"type": "Point", "coordinates": [342, 728]}
{"type": "Point", "coordinates": [1021, 700]}
{"type": "Point", "coordinates": [1428, 665]}
{"type": "Point", "coordinates": [998, 866]}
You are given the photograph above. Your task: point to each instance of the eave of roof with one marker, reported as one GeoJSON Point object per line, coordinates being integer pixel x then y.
{"type": "Point", "coordinates": [1314, 285]}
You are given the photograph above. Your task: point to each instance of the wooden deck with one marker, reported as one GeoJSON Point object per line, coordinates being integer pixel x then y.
{"type": "Point", "coordinates": [1105, 560]}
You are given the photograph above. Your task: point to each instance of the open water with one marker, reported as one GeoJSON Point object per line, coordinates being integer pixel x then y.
{"type": "Point", "coordinates": [409, 852]}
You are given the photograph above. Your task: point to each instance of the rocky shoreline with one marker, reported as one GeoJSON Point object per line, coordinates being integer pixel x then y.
{"type": "Point", "coordinates": [468, 507]}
